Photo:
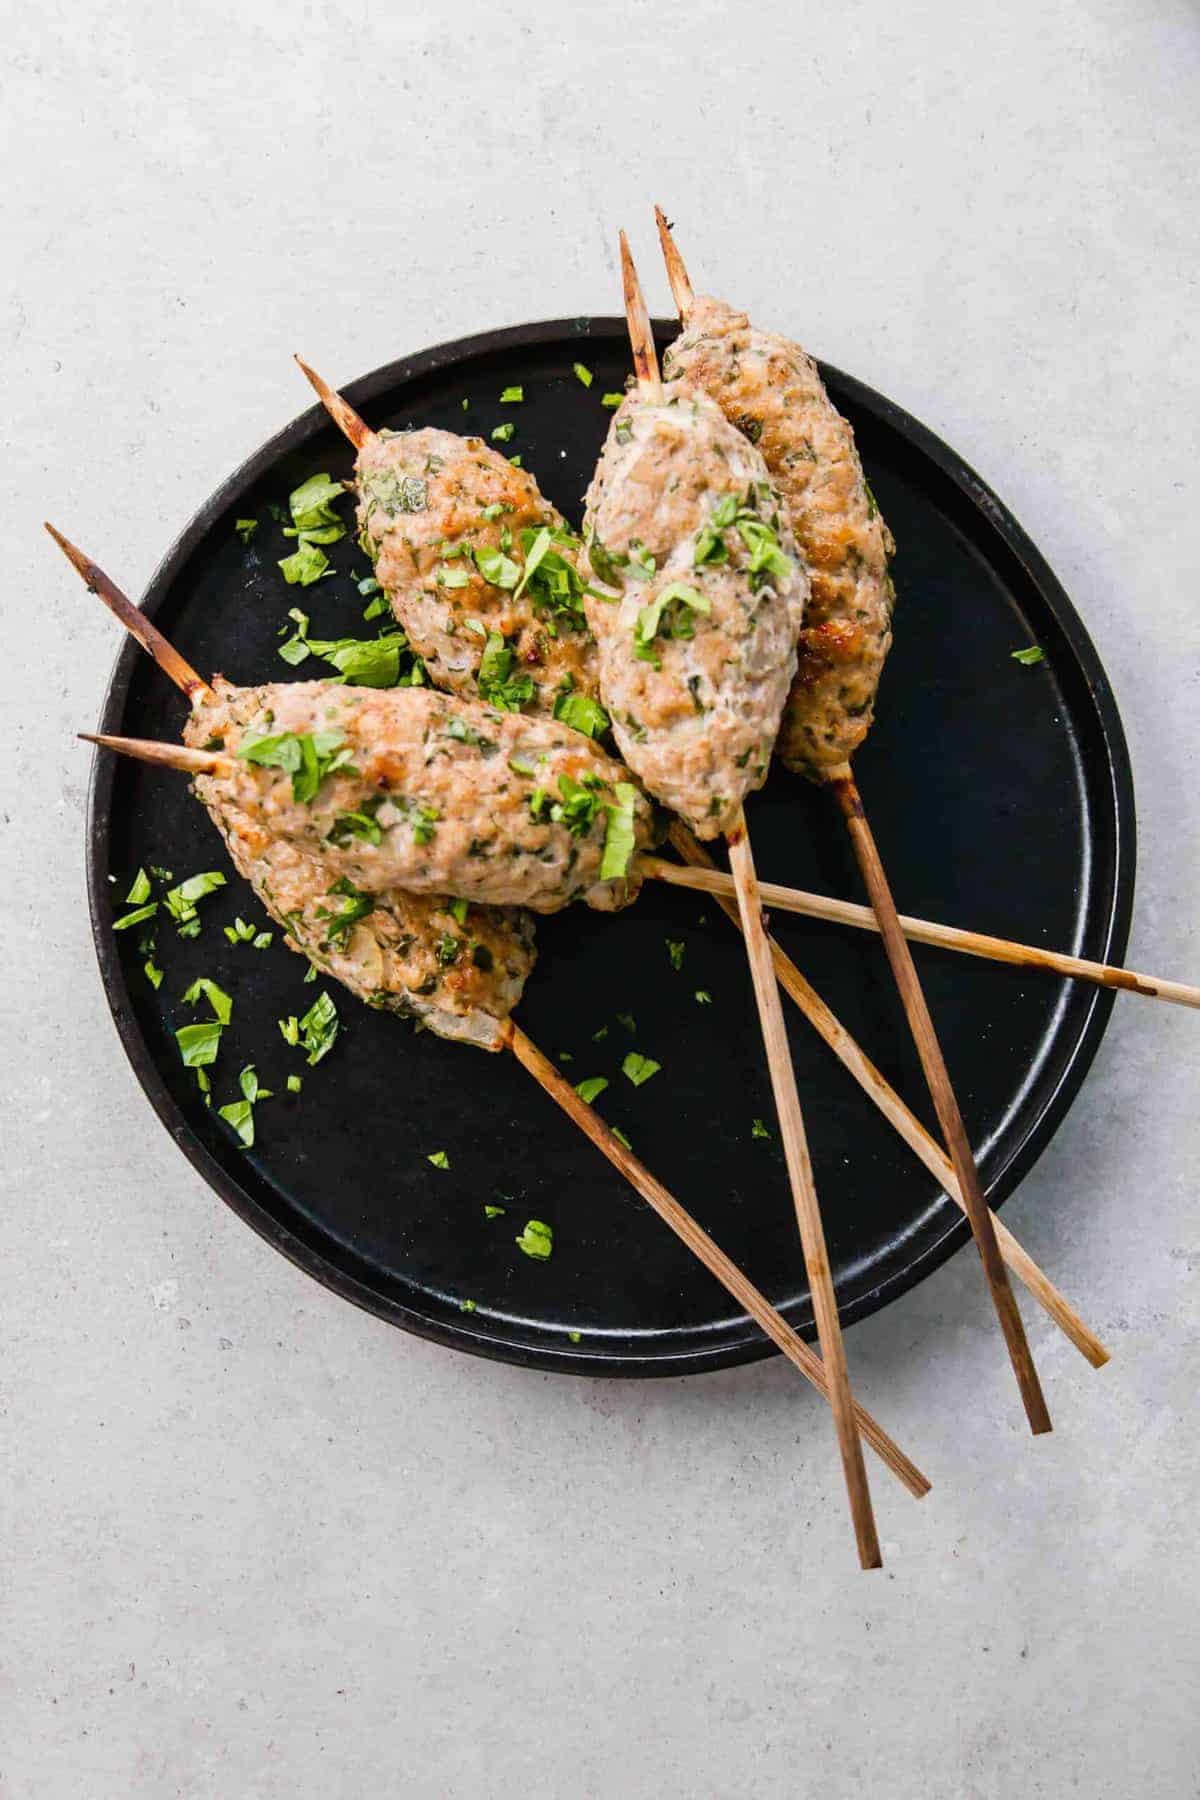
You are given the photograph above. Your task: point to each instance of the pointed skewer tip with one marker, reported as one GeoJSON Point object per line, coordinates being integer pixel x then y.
{"type": "Point", "coordinates": [641, 335]}
{"type": "Point", "coordinates": [340, 411]}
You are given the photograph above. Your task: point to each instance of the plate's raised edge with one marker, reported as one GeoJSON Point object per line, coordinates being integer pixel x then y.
{"type": "Point", "coordinates": [732, 1350]}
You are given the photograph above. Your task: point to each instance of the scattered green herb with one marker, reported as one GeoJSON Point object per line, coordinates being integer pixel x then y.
{"type": "Point", "coordinates": [537, 1240]}
{"type": "Point", "coordinates": [589, 1090]}
{"type": "Point", "coordinates": [245, 528]}
{"type": "Point", "coordinates": [180, 901]}
{"type": "Point", "coordinates": [497, 684]}
{"type": "Point", "coordinates": [198, 1044]}
{"type": "Point", "coordinates": [581, 713]}
{"type": "Point", "coordinates": [309, 757]}
{"type": "Point", "coordinates": [758, 1129]}
{"type": "Point", "coordinates": [152, 972]}
{"type": "Point", "coordinates": [512, 395]}
{"type": "Point", "coordinates": [439, 1159]}
{"type": "Point", "coordinates": [135, 917]}
{"type": "Point", "coordinates": [239, 932]}
{"type": "Point", "coordinates": [204, 989]}
{"type": "Point", "coordinates": [503, 433]}
{"type": "Point", "coordinates": [494, 1212]}
{"type": "Point", "coordinates": [294, 1084]}
{"type": "Point", "coordinates": [620, 835]}
{"type": "Point", "coordinates": [583, 373]}
{"type": "Point", "coordinates": [1034, 654]}
{"type": "Point", "coordinates": [703, 997]}
{"type": "Point", "coordinates": [667, 615]}
{"type": "Point", "coordinates": [139, 891]}
{"type": "Point", "coordinates": [612, 401]}
{"type": "Point", "coordinates": [319, 1028]}
{"type": "Point", "coordinates": [305, 565]}
{"type": "Point", "coordinates": [638, 1068]}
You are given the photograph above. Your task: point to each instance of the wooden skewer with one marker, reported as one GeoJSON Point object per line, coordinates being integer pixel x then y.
{"type": "Point", "coordinates": [135, 621]}
{"type": "Point", "coordinates": [804, 1192]}
{"type": "Point", "coordinates": [830, 1028]}
{"type": "Point", "coordinates": [783, 1079]}
{"type": "Point", "coordinates": [924, 931]}
{"type": "Point", "coordinates": [705, 876]}
{"type": "Point", "coordinates": [919, 1020]}
{"type": "Point", "coordinates": [766, 1316]}
{"type": "Point", "coordinates": [339, 409]}
{"type": "Point", "coordinates": [165, 756]}
{"type": "Point", "coordinates": [682, 292]}
{"type": "Point", "coordinates": [944, 1099]}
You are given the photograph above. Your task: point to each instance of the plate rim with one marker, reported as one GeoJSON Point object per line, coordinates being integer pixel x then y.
{"type": "Point", "coordinates": [743, 1342]}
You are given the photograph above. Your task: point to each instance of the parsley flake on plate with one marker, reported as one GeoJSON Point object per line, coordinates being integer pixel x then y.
{"type": "Point", "coordinates": [1034, 654]}
{"type": "Point", "coordinates": [504, 432]}
{"type": "Point", "coordinates": [305, 565]}
{"type": "Point", "coordinates": [319, 1028]}
{"type": "Point", "coordinates": [439, 1159]}
{"type": "Point", "coordinates": [245, 528]}
{"type": "Point", "coordinates": [512, 395]}
{"type": "Point", "coordinates": [204, 989]}
{"type": "Point", "coordinates": [590, 1089]}
{"type": "Point", "coordinates": [583, 374]}
{"type": "Point", "coordinates": [758, 1129]}
{"type": "Point", "coordinates": [703, 997]}
{"type": "Point", "coordinates": [198, 1044]}
{"type": "Point", "coordinates": [180, 901]}
{"type": "Point", "coordinates": [675, 950]}
{"type": "Point", "coordinates": [135, 917]}
{"type": "Point", "coordinates": [638, 1068]}
{"type": "Point", "coordinates": [612, 401]}
{"type": "Point", "coordinates": [139, 891]}
{"type": "Point", "coordinates": [537, 1240]}
{"type": "Point", "coordinates": [494, 1212]}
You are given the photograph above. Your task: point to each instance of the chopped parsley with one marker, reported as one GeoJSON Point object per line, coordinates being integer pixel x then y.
{"type": "Point", "coordinates": [496, 568]}
{"type": "Point", "coordinates": [340, 921]}
{"type": "Point", "coordinates": [512, 395]}
{"type": "Point", "coordinates": [425, 820]}
{"type": "Point", "coordinates": [245, 528]}
{"type": "Point", "coordinates": [239, 932]}
{"type": "Point", "coordinates": [289, 1029]}
{"type": "Point", "coordinates": [139, 891]}
{"type": "Point", "coordinates": [448, 948]}
{"type": "Point", "coordinates": [579, 805]}
{"type": "Point", "coordinates": [439, 1159]}
{"type": "Point", "coordinates": [621, 1138]}
{"type": "Point", "coordinates": [204, 989]}
{"type": "Point", "coordinates": [1034, 654]}
{"type": "Point", "coordinates": [361, 824]}
{"type": "Point", "coordinates": [294, 1084]}
{"type": "Point", "coordinates": [378, 662]}
{"type": "Point", "coordinates": [311, 506]}
{"type": "Point", "coordinates": [537, 1240]}
{"type": "Point", "coordinates": [612, 401]}
{"type": "Point", "coordinates": [136, 917]}
{"type": "Point", "coordinates": [497, 684]}
{"type": "Point", "coordinates": [319, 1028]}
{"type": "Point", "coordinates": [628, 1021]}
{"type": "Point", "coordinates": [554, 583]}
{"type": "Point", "coordinates": [758, 1129]}
{"type": "Point", "coordinates": [583, 373]}
{"type": "Point", "coordinates": [263, 940]}
{"type": "Point", "coordinates": [198, 1044]}
{"type": "Point", "coordinates": [494, 1212]}
{"type": "Point", "coordinates": [675, 950]}
{"type": "Point", "coordinates": [667, 615]}
{"type": "Point", "coordinates": [305, 565]}
{"type": "Point", "coordinates": [703, 997]}
{"type": "Point", "coordinates": [309, 757]}
{"type": "Point", "coordinates": [180, 901]}
{"type": "Point", "coordinates": [240, 1113]}
{"type": "Point", "coordinates": [590, 1089]}
{"type": "Point", "coordinates": [574, 1336]}
{"type": "Point", "coordinates": [152, 972]}
{"type": "Point", "coordinates": [467, 1305]}
{"type": "Point", "coordinates": [581, 713]}
{"type": "Point", "coordinates": [638, 1068]}
{"type": "Point", "coordinates": [620, 834]}
{"type": "Point", "coordinates": [503, 433]}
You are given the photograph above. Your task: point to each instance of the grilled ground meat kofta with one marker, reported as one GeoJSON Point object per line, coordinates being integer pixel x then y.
{"type": "Point", "coordinates": [404, 788]}
{"type": "Point", "coordinates": [770, 389]}
{"type": "Point", "coordinates": [460, 970]}
{"type": "Point", "coordinates": [478, 567]}
{"type": "Point", "coordinates": [698, 643]}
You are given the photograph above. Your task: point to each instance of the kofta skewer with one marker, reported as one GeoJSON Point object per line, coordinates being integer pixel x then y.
{"type": "Point", "coordinates": [511, 1037]}
{"type": "Point", "coordinates": [828, 504]}
{"type": "Point", "coordinates": [706, 662]}
{"type": "Point", "coordinates": [461, 509]}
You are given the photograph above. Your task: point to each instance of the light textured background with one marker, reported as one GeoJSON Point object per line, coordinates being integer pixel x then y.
{"type": "Point", "coordinates": [258, 1545]}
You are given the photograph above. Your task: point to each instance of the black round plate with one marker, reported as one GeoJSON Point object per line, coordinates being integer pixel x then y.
{"type": "Point", "coordinates": [1002, 799]}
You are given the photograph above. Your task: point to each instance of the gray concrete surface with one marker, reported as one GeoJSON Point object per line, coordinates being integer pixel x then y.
{"type": "Point", "coordinates": [256, 1544]}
